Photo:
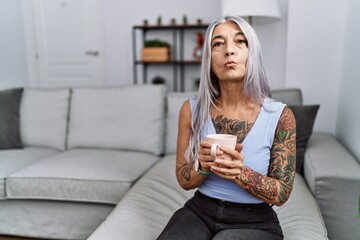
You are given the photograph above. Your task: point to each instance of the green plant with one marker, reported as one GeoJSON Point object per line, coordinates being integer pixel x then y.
{"type": "Point", "coordinates": [156, 43]}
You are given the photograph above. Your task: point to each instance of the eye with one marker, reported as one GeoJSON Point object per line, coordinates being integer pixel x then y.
{"type": "Point", "coordinates": [217, 44]}
{"type": "Point", "coordinates": [241, 41]}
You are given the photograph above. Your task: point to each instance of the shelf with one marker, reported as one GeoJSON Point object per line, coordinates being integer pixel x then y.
{"type": "Point", "coordinates": [177, 63]}
{"type": "Point", "coordinates": [170, 27]}
{"type": "Point", "coordinates": [185, 62]}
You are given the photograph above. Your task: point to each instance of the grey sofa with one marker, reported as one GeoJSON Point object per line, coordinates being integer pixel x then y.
{"type": "Point", "coordinates": [98, 164]}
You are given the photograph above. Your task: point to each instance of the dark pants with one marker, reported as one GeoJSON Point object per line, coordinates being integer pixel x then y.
{"type": "Point", "coordinates": [204, 218]}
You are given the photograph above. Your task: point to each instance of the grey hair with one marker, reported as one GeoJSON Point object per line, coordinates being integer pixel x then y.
{"type": "Point", "coordinates": [256, 86]}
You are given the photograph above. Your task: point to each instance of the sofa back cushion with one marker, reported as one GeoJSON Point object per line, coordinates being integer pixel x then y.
{"type": "Point", "coordinates": [43, 117]}
{"type": "Point", "coordinates": [10, 100]}
{"type": "Point", "coordinates": [290, 96]}
{"type": "Point", "coordinates": [126, 118]}
{"type": "Point", "coordinates": [174, 101]}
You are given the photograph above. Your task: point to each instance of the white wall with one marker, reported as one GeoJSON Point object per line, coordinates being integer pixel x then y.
{"type": "Point", "coordinates": [119, 21]}
{"type": "Point", "coordinates": [347, 127]}
{"type": "Point", "coordinates": [13, 68]}
{"type": "Point", "coordinates": [315, 39]}
{"type": "Point", "coordinates": [273, 42]}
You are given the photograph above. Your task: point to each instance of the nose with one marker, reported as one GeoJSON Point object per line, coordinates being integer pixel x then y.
{"type": "Point", "coordinates": [229, 50]}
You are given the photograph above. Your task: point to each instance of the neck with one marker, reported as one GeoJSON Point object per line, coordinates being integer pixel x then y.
{"type": "Point", "coordinates": [232, 94]}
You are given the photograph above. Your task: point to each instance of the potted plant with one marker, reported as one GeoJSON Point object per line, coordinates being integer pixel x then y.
{"type": "Point", "coordinates": [156, 50]}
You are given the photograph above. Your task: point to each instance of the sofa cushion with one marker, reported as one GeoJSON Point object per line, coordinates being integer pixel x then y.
{"type": "Point", "coordinates": [9, 118]}
{"type": "Point", "coordinates": [300, 217]}
{"type": "Point", "coordinates": [154, 198]}
{"type": "Point", "coordinates": [174, 101]}
{"type": "Point", "coordinates": [12, 160]}
{"type": "Point", "coordinates": [89, 175]}
{"type": "Point", "coordinates": [42, 219]}
{"type": "Point", "coordinates": [333, 175]}
{"type": "Point", "coordinates": [290, 96]}
{"type": "Point", "coordinates": [126, 118]}
{"type": "Point", "coordinates": [305, 119]}
{"type": "Point", "coordinates": [43, 117]}
{"type": "Point", "coordinates": [149, 204]}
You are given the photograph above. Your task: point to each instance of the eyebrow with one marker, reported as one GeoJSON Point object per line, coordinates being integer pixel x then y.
{"type": "Point", "coordinates": [222, 37]}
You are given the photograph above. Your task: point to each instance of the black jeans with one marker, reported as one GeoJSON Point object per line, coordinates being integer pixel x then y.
{"type": "Point", "coordinates": [204, 218]}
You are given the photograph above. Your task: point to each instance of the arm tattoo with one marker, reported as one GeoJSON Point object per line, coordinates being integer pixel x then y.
{"type": "Point", "coordinates": [186, 171]}
{"type": "Point", "coordinates": [258, 185]}
{"type": "Point", "coordinates": [283, 154]}
{"type": "Point", "coordinates": [282, 169]}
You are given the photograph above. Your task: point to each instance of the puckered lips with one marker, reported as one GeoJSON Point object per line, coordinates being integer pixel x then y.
{"type": "Point", "coordinates": [230, 63]}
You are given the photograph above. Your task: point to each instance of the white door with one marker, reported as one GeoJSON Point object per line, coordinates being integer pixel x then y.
{"type": "Point", "coordinates": [69, 42]}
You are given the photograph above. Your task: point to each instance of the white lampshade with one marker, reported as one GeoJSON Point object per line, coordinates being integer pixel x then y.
{"type": "Point", "coordinates": [262, 10]}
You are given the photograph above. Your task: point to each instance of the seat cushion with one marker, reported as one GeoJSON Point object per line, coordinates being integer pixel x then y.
{"type": "Point", "coordinates": [154, 198]}
{"type": "Point", "coordinates": [12, 160]}
{"type": "Point", "coordinates": [89, 175]}
{"type": "Point", "coordinates": [300, 217]}
{"type": "Point", "coordinates": [42, 219]}
{"type": "Point", "coordinates": [125, 118]}
{"type": "Point", "coordinates": [150, 203]}
{"type": "Point", "coordinates": [43, 117]}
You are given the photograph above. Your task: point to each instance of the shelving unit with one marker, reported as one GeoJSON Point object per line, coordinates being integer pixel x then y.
{"type": "Point", "coordinates": [177, 63]}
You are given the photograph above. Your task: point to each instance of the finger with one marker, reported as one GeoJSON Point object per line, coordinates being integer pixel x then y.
{"type": "Point", "coordinates": [229, 164]}
{"type": "Point", "coordinates": [203, 158]}
{"type": "Point", "coordinates": [239, 147]}
{"type": "Point", "coordinates": [234, 154]}
{"type": "Point", "coordinates": [205, 153]}
{"type": "Point", "coordinates": [205, 144]}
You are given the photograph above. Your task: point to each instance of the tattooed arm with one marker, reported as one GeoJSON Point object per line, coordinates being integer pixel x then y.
{"type": "Point", "coordinates": [275, 188]}
{"type": "Point", "coordinates": [185, 173]}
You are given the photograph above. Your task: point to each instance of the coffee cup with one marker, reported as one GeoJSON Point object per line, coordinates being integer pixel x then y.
{"type": "Point", "coordinates": [217, 140]}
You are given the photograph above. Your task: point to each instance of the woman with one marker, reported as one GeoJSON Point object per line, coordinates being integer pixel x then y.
{"type": "Point", "coordinates": [234, 197]}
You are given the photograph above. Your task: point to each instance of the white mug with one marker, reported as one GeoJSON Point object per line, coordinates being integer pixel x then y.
{"type": "Point", "coordinates": [217, 140]}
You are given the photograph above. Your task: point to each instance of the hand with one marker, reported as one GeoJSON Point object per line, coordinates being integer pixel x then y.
{"type": "Point", "coordinates": [229, 169]}
{"type": "Point", "coordinates": [204, 155]}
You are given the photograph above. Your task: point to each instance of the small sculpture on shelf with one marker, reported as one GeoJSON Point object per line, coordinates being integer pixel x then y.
{"type": "Point", "coordinates": [185, 21]}
{"type": "Point", "coordinates": [158, 80]}
{"type": "Point", "coordinates": [159, 20]}
{"type": "Point", "coordinates": [196, 83]}
{"type": "Point", "coordinates": [145, 22]}
{"type": "Point", "coordinates": [197, 53]}
{"type": "Point", "coordinates": [173, 22]}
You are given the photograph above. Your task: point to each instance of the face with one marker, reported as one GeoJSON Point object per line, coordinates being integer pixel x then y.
{"type": "Point", "coordinates": [229, 52]}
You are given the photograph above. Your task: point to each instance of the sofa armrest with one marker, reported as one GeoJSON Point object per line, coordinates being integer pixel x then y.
{"type": "Point", "coordinates": [333, 176]}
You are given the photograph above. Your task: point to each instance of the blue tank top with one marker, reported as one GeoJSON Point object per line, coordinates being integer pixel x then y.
{"type": "Point", "coordinates": [256, 151]}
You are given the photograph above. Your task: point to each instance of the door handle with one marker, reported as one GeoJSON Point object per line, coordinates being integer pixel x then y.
{"type": "Point", "coordinates": [92, 53]}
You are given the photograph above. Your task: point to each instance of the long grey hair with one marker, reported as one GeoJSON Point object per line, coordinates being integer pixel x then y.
{"type": "Point", "coordinates": [256, 86]}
